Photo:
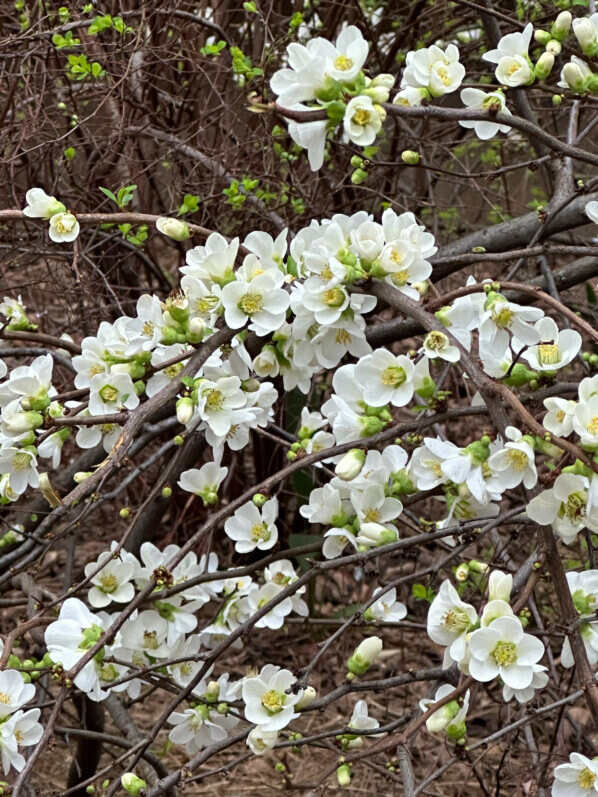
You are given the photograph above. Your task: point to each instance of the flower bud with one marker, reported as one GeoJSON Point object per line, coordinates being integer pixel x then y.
{"type": "Point", "coordinates": [462, 572]}
{"type": "Point", "coordinates": [544, 65]}
{"type": "Point", "coordinates": [184, 410]}
{"type": "Point", "coordinates": [478, 567]}
{"type": "Point", "coordinates": [343, 775]}
{"type": "Point", "coordinates": [561, 26]}
{"type": "Point", "coordinates": [125, 512]}
{"type": "Point", "coordinates": [351, 464]}
{"type": "Point", "coordinates": [376, 534]}
{"type": "Point", "coordinates": [586, 35]}
{"type": "Point", "coordinates": [359, 176]}
{"type": "Point", "coordinates": [250, 385]}
{"type": "Point", "coordinates": [410, 157]}
{"type": "Point", "coordinates": [499, 586]}
{"type": "Point", "coordinates": [259, 499]}
{"type": "Point", "coordinates": [377, 93]}
{"type": "Point", "coordinates": [166, 491]}
{"type": "Point", "coordinates": [554, 47]}
{"type": "Point", "coordinates": [308, 697]}
{"type": "Point", "coordinates": [173, 228]}
{"type": "Point", "coordinates": [383, 79]}
{"type": "Point", "coordinates": [132, 784]}
{"type": "Point", "coordinates": [212, 692]}
{"type": "Point", "coordinates": [81, 475]}
{"type": "Point", "coordinates": [542, 37]}
{"type": "Point", "coordinates": [440, 719]}
{"type": "Point", "coordinates": [196, 329]}
{"type": "Point", "coordinates": [574, 77]}
{"type": "Point", "coordinates": [365, 655]}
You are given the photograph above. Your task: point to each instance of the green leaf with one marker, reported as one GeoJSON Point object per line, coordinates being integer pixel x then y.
{"type": "Point", "coordinates": [109, 194]}
{"type": "Point", "coordinates": [420, 592]}
{"type": "Point", "coordinates": [250, 7]}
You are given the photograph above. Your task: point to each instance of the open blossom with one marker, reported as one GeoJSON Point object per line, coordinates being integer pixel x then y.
{"type": "Point", "coordinates": [251, 528]}
{"type": "Point", "coordinates": [515, 462]}
{"type": "Point", "coordinates": [261, 301]}
{"type": "Point", "coordinates": [437, 344]}
{"type": "Point", "coordinates": [475, 99]}
{"type": "Point", "coordinates": [385, 378]}
{"type": "Point", "coordinates": [269, 700]}
{"type": "Point", "coordinates": [363, 120]}
{"type": "Point", "coordinates": [502, 648]}
{"type": "Point", "coordinates": [113, 581]}
{"type": "Point", "coordinates": [570, 505]}
{"type": "Point", "coordinates": [64, 227]}
{"type": "Point", "coordinates": [14, 692]}
{"type": "Point", "coordinates": [556, 349]}
{"type": "Point", "coordinates": [439, 71]}
{"type": "Point", "coordinates": [204, 481]}
{"type": "Point", "coordinates": [110, 393]}
{"type": "Point", "coordinates": [21, 729]}
{"type": "Point", "coordinates": [578, 778]}
{"type": "Point", "coordinates": [559, 418]}
{"type": "Point", "coordinates": [513, 65]}
{"type": "Point", "coordinates": [449, 621]}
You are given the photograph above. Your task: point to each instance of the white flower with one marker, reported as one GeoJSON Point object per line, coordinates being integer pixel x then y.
{"type": "Point", "coordinates": [346, 59]}
{"type": "Point", "coordinates": [539, 681]}
{"type": "Point", "coordinates": [220, 404]}
{"type": "Point", "coordinates": [585, 421]}
{"type": "Point", "coordinates": [449, 621]}
{"type": "Point", "coordinates": [110, 393]}
{"type": "Point", "coordinates": [410, 97]}
{"type": "Point", "coordinates": [449, 718]}
{"type": "Point", "coordinates": [269, 702]}
{"type": "Point", "coordinates": [363, 120]}
{"type": "Point", "coordinates": [199, 727]}
{"type": "Point", "coordinates": [305, 75]}
{"type": "Point", "coordinates": [499, 586]}
{"type": "Point", "coordinates": [251, 528]}
{"type": "Point", "coordinates": [260, 741]}
{"type": "Point", "coordinates": [40, 205]}
{"type": "Point", "coordinates": [21, 729]}
{"type": "Point", "coordinates": [579, 778]}
{"type": "Point", "coordinates": [360, 721]}
{"type": "Point", "coordinates": [556, 348]}
{"type": "Point", "coordinates": [586, 33]}
{"type": "Point", "coordinates": [204, 481]}
{"type": "Point", "coordinates": [310, 136]}
{"type": "Point", "coordinates": [64, 227]}
{"type": "Point", "coordinates": [514, 463]}
{"type": "Point", "coordinates": [437, 344]}
{"type": "Point", "coordinates": [501, 315]}
{"type": "Point", "coordinates": [20, 465]}
{"type": "Point", "coordinates": [386, 608]}
{"type": "Point", "coordinates": [385, 378]}
{"type": "Point", "coordinates": [514, 67]}
{"type": "Point", "coordinates": [559, 418]}
{"type": "Point", "coordinates": [475, 99]}
{"type": "Point", "coordinates": [70, 637]}
{"type": "Point", "coordinates": [262, 301]}
{"type": "Point", "coordinates": [439, 71]}
{"type": "Point", "coordinates": [376, 534]}
{"type": "Point", "coordinates": [145, 332]}
{"type": "Point", "coordinates": [336, 540]}
{"type": "Point", "coordinates": [113, 582]}
{"type": "Point", "coordinates": [324, 506]}
{"type": "Point", "coordinates": [591, 211]}
{"type": "Point", "coordinates": [567, 506]}
{"type": "Point", "coordinates": [213, 262]}
{"type": "Point", "coordinates": [503, 649]}
{"type": "Point", "coordinates": [14, 692]}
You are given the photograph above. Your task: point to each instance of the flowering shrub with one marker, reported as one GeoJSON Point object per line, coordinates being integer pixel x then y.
{"type": "Point", "coordinates": [439, 444]}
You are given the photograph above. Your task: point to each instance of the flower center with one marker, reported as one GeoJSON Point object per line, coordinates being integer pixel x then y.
{"type": "Point", "coordinates": [436, 340]}
{"type": "Point", "coordinates": [502, 318]}
{"type": "Point", "coordinates": [444, 76]}
{"type": "Point", "coordinates": [574, 508]}
{"type": "Point", "coordinates": [393, 376]}
{"type": "Point", "coordinates": [456, 620]}
{"type": "Point", "coordinates": [148, 328]}
{"type": "Point", "coordinates": [280, 579]}
{"type": "Point", "coordinates": [361, 117]}
{"type": "Point", "coordinates": [548, 353]}
{"type": "Point", "coordinates": [21, 461]}
{"type": "Point", "coordinates": [372, 516]}
{"type": "Point", "coordinates": [260, 532]}
{"type": "Point", "coordinates": [586, 779]}
{"type": "Point", "coordinates": [400, 278]}
{"type": "Point", "coordinates": [326, 273]}
{"type": "Point", "coordinates": [150, 640]}
{"type": "Point", "coordinates": [560, 415]}
{"type": "Point", "coordinates": [434, 466]}
{"type": "Point", "coordinates": [343, 63]}
{"type": "Point", "coordinates": [517, 459]}
{"type": "Point", "coordinates": [592, 427]}
{"type": "Point", "coordinates": [108, 393]}
{"type": "Point", "coordinates": [513, 68]}
{"type": "Point", "coordinates": [173, 370]}
{"type": "Point", "coordinates": [273, 701]}
{"type": "Point", "coordinates": [334, 297]}
{"type": "Point", "coordinates": [251, 303]}
{"type": "Point", "coordinates": [505, 653]}
{"type": "Point", "coordinates": [4, 698]}
{"type": "Point", "coordinates": [214, 399]}
{"type": "Point", "coordinates": [342, 337]}
{"type": "Point", "coordinates": [108, 583]}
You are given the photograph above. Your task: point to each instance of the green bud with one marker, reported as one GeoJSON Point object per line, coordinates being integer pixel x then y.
{"type": "Point", "coordinates": [178, 440]}
{"type": "Point", "coordinates": [125, 512]}
{"type": "Point", "coordinates": [410, 157]}
{"type": "Point", "coordinates": [359, 176]}
{"type": "Point", "coordinates": [259, 499]}
{"type": "Point", "coordinates": [132, 784]}
{"type": "Point", "coordinates": [166, 491]}
{"type": "Point", "coordinates": [343, 775]}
